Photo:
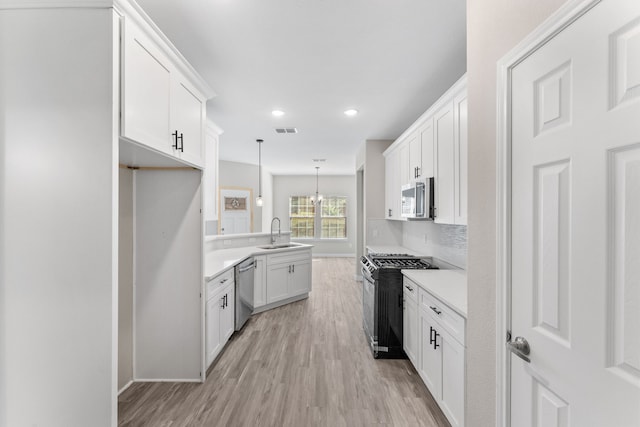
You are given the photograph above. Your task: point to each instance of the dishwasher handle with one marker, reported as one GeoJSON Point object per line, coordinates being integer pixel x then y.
{"type": "Point", "coordinates": [247, 268]}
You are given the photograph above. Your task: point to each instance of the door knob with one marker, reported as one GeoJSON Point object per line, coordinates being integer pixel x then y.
{"type": "Point", "coordinates": [520, 347]}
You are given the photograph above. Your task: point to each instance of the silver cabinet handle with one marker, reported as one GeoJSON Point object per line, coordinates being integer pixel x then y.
{"type": "Point", "coordinates": [436, 310]}
{"type": "Point", "coordinates": [520, 347]}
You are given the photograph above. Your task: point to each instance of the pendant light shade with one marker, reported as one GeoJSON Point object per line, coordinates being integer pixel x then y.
{"type": "Point", "coordinates": [317, 198]}
{"type": "Point", "coordinates": [259, 201]}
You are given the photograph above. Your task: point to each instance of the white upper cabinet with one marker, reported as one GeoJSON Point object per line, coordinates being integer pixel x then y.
{"type": "Point", "coordinates": [187, 121]}
{"type": "Point", "coordinates": [434, 146]}
{"type": "Point", "coordinates": [460, 158]}
{"type": "Point", "coordinates": [161, 107]}
{"type": "Point", "coordinates": [421, 151]}
{"type": "Point", "coordinates": [445, 170]}
{"type": "Point", "coordinates": [146, 85]}
{"type": "Point", "coordinates": [426, 143]}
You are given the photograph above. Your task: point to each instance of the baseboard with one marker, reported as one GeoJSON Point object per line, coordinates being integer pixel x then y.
{"type": "Point", "coordinates": [167, 380]}
{"type": "Point", "coordinates": [126, 386]}
{"type": "Point", "coordinates": [279, 303]}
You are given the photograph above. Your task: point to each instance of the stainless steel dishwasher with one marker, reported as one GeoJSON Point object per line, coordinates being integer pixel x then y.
{"type": "Point", "coordinates": [244, 292]}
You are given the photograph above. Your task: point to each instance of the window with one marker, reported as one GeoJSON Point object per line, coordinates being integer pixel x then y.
{"type": "Point", "coordinates": [330, 221]}
{"type": "Point", "coordinates": [302, 215]}
{"type": "Point", "coordinates": [334, 218]}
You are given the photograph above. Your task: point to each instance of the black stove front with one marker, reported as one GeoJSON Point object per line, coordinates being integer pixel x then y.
{"type": "Point", "coordinates": [382, 301]}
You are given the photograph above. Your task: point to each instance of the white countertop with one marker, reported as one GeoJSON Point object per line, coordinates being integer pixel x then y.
{"type": "Point", "coordinates": [216, 262]}
{"type": "Point", "coordinates": [449, 286]}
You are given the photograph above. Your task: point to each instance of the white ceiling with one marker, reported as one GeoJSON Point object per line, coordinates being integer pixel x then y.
{"type": "Point", "coordinates": [314, 59]}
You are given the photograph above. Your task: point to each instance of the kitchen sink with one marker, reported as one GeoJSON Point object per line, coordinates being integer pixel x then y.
{"type": "Point", "coordinates": [281, 246]}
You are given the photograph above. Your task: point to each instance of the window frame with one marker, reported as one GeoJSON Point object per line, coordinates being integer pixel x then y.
{"type": "Point", "coordinates": [317, 220]}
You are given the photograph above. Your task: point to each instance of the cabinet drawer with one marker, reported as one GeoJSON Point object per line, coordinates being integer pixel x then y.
{"type": "Point", "coordinates": [451, 321]}
{"type": "Point", "coordinates": [222, 279]}
{"type": "Point", "coordinates": [289, 257]}
{"type": "Point", "coordinates": [410, 289]}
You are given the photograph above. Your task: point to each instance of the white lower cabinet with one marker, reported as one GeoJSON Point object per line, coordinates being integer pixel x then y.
{"type": "Point", "coordinates": [434, 342]}
{"type": "Point", "coordinates": [260, 282]}
{"type": "Point", "coordinates": [288, 275]}
{"type": "Point", "coordinates": [220, 316]}
{"type": "Point", "coordinates": [410, 329]}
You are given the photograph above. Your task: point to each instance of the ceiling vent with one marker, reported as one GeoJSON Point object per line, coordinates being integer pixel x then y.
{"type": "Point", "coordinates": [286, 130]}
{"type": "Point", "coordinates": [319, 160]}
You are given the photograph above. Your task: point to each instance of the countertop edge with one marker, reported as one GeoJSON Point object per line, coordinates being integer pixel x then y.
{"type": "Point", "coordinates": [251, 252]}
{"type": "Point", "coordinates": [447, 301]}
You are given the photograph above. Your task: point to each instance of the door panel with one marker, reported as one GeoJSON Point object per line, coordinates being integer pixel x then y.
{"type": "Point", "coordinates": [576, 224]}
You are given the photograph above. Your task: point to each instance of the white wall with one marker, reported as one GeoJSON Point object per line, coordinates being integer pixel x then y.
{"type": "Point", "coordinates": [59, 97]}
{"type": "Point", "coordinates": [493, 28]}
{"type": "Point", "coordinates": [125, 279]}
{"type": "Point", "coordinates": [233, 174]}
{"type": "Point", "coordinates": [343, 185]}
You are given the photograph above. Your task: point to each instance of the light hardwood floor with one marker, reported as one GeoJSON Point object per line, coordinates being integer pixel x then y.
{"type": "Point", "coordinates": [304, 364]}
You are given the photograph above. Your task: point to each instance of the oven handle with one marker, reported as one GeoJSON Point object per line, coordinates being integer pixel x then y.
{"type": "Point", "coordinates": [366, 275]}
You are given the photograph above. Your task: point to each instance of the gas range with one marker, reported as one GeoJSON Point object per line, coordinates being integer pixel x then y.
{"type": "Point", "coordinates": [373, 262]}
{"type": "Point", "coordinates": [382, 300]}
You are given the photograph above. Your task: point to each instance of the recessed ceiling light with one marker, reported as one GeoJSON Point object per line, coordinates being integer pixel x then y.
{"type": "Point", "coordinates": [277, 113]}
{"type": "Point", "coordinates": [351, 112]}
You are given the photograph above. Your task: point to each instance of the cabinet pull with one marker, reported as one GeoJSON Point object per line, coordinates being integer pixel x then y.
{"type": "Point", "coordinates": [409, 287]}
{"type": "Point", "coordinates": [431, 334]}
{"type": "Point", "coordinates": [293, 268]}
{"type": "Point", "coordinates": [289, 268]}
{"type": "Point", "coordinates": [435, 310]}
{"type": "Point", "coordinates": [176, 138]}
{"type": "Point", "coordinates": [435, 339]}
{"type": "Point", "coordinates": [389, 212]}
{"type": "Point", "coordinates": [222, 281]}
{"type": "Point", "coordinates": [222, 304]}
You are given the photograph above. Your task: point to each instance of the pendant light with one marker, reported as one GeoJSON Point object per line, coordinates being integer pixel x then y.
{"type": "Point", "coordinates": [259, 201]}
{"type": "Point", "coordinates": [317, 199]}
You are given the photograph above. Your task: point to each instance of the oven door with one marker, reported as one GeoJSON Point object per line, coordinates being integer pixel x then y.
{"type": "Point", "coordinates": [369, 309]}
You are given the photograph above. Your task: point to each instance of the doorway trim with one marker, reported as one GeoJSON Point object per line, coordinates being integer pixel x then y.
{"type": "Point", "coordinates": [552, 26]}
{"type": "Point", "coordinates": [221, 203]}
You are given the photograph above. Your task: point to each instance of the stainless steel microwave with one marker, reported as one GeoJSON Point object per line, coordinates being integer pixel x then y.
{"type": "Point", "coordinates": [418, 200]}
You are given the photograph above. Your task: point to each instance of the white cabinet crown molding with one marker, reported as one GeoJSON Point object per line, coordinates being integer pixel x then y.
{"type": "Point", "coordinates": [132, 10]}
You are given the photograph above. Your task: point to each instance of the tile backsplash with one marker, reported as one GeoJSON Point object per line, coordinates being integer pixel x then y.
{"type": "Point", "coordinates": [447, 242]}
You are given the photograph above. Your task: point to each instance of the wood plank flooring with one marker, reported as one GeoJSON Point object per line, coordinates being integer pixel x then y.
{"type": "Point", "coordinates": [304, 364]}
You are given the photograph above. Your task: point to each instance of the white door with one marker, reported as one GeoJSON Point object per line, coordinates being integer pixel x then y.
{"type": "Point", "coordinates": [575, 235]}
{"type": "Point", "coordinates": [235, 211]}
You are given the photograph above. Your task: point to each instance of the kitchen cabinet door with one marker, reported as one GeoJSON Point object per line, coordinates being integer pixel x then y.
{"type": "Point", "coordinates": [277, 282]}
{"type": "Point", "coordinates": [392, 185]}
{"type": "Point", "coordinates": [300, 278]}
{"type": "Point", "coordinates": [445, 172]}
{"type": "Point", "coordinates": [452, 402]}
{"type": "Point", "coordinates": [146, 86]}
{"type": "Point", "coordinates": [405, 175]}
{"type": "Point", "coordinates": [460, 153]}
{"type": "Point", "coordinates": [426, 144]}
{"type": "Point", "coordinates": [187, 119]}
{"type": "Point", "coordinates": [410, 329]}
{"type": "Point", "coordinates": [260, 282]}
{"type": "Point", "coordinates": [415, 155]}
{"type": "Point", "coordinates": [227, 314]}
{"type": "Point", "coordinates": [430, 356]}
{"type": "Point", "coordinates": [213, 336]}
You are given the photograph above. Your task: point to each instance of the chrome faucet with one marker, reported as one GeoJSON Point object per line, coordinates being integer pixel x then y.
{"type": "Point", "coordinates": [272, 239]}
